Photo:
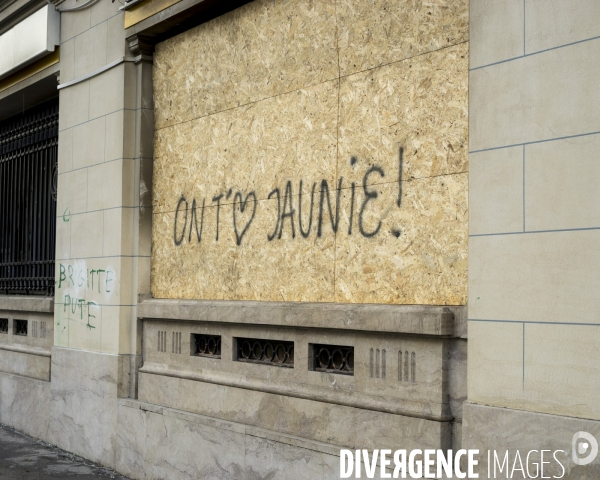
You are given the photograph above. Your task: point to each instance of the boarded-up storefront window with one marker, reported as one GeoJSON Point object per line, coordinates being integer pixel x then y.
{"type": "Point", "coordinates": [314, 151]}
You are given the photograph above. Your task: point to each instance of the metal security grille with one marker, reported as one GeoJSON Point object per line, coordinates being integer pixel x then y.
{"type": "Point", "coordinates": [206, 345]}
{"type": "Point", "coordinates": [28, 178]}
{"type": "Point", "coordinates": [279, 353]}
{"type": "Point", "coordinates": [21, 327]}
{"type": "Point", "coordinates": [333, 359]}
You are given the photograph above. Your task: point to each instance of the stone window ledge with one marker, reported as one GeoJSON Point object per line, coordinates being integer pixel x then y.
{"type": "Point", "coordinates": [408, 319]}
{"type": "Point", "coordinates": [39, 351]}
{"type": "Point", "coordinates": [23, 303]}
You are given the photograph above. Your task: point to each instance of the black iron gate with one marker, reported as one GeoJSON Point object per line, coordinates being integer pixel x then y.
{"type": "Point", "coordinates": [28, 179]}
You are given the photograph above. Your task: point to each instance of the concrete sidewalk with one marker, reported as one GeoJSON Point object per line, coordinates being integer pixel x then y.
{"type": "Point", "coordinates": [23, 457]}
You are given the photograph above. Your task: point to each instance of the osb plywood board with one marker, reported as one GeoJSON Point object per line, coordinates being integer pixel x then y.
{"type": "Point", "coordinates": [278, 179]}
{"type": "Point", "coordinates": [291, 136]}
{"type": "Point", "coordinates": [419, 104]}
{"type": "Point", "coordinates": [286, 269]}
{"type": "Point", "coordinates": [419, 253]}
{"type": "Point", "coordinates": [375, 32]}
{"type": "Point", "coordinates": [262, 49]}
{"type": "Point", "coordinates": [412, 254]}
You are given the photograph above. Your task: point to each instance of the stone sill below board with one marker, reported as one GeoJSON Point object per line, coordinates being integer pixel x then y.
{"type": "Point", "coordinates": [437, 321]}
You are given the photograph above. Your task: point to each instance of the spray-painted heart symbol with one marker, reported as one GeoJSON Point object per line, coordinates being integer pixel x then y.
{"type": "Point", "coordinates": [238, 195]}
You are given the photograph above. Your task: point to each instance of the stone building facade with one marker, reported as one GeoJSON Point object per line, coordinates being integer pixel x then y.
{"type": "Point", "coordinates": [282, 228]}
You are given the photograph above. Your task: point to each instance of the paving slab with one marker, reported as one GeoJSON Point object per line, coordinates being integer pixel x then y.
{"type": "Point", "coordinates": [24, 457]}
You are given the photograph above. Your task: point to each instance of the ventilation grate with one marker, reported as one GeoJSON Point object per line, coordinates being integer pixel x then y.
{"type": "Point", "coordinates": [206, 345]}
{"type": "Point", "coordinates": [333, 359]}
{"type": "Point", "coordinates": [267, 352]}
{"type": "Point", "coordinates": [21, 327]}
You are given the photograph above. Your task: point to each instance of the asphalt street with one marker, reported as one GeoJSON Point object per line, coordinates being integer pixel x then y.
{"type": "Point", "coordinates": [24, 458]}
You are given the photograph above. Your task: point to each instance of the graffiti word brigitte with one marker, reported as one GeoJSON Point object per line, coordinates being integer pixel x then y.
{"type": "Point", "coordinates": [100, 279]}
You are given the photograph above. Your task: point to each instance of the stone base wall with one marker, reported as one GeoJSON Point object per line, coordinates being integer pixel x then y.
{"type": "Point", "coordinates": [503, 429]}
{"type": "Point", "coordinates": [157, 442]}
{"type": "Point", "coordinates": [25, 404]}
{"type": "Point", "coordinates": [83, 408]}
{"type": "Point", "coordinates": [207, 418]}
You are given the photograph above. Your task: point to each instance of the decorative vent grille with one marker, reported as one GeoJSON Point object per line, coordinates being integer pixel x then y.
{"type": "Point", "coordinates": [21, 327]}
{"type": "Point", "coordinates": [206, 345]}
{"type": "Point", "coordinates": [333, 359]}
{"type": "Point", "coordinates": [267, 352]}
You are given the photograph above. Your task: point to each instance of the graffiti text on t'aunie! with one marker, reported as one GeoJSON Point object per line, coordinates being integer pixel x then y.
{"type": "Point", "coordinates": [323, 207]}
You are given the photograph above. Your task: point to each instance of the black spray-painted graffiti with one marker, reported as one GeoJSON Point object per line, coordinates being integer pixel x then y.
{"type": "Point", "coordinates": [189, 219]}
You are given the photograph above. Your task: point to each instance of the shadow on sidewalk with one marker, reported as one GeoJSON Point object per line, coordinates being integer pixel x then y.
{"type": "Point", "coordinates": [23, 457]}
